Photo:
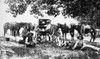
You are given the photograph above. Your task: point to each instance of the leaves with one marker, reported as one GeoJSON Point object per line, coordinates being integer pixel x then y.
{"type": "Point", "coordinates": [74, 8]}
{"type": "Point", "coordinates": [53, 11]}
{"type": "Point", "coordinates": [17, 9]}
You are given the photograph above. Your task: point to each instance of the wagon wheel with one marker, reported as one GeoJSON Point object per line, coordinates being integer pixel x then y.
{"type": "Point", "coordinates": [39, 40]}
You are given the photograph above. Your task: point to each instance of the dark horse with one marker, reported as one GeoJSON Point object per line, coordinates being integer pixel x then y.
{"type": "Point", "coordinates": [82, 30]}
{"type": "Point", "coordinates": [92, 31]}
{"type": "Point", "coordinates": [78, 28]}
{"type": "Point", "coordinates": [64, 28]}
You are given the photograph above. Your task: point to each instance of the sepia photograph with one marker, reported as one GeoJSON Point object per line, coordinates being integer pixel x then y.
{"type": "Point", "coordinates": [49, 29]}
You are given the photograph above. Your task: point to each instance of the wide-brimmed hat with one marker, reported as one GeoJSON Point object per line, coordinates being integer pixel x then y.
{"type": "Point", "coordinates": [30, 34]}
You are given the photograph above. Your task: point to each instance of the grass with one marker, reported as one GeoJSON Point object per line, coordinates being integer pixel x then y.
{"type": "Point", "coordinates": [47, 51]}
{"type": "Point", "coordinates": [51, 53]}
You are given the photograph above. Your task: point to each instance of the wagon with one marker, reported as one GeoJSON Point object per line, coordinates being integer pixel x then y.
{"type": "Point", "coordinates": [43, 23]}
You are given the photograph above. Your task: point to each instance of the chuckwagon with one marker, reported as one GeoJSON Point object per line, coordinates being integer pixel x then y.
{"type": "Point", "coordinates": [44, 28]}
{"type": "Point", "coordinates": [43, 23]}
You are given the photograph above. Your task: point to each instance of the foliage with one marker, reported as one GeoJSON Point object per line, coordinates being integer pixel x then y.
{"type": "Point", "coordinates": [87, 9]}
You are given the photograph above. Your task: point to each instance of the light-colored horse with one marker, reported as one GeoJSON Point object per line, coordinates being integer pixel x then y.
{"type": "Point", "coordinates": [8, 34]}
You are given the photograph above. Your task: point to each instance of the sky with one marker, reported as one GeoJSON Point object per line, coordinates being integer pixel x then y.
{"type": "Point", "coordinates": [26, 17]}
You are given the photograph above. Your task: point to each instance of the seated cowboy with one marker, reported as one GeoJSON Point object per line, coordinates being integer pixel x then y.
{"type": "Point", "coordinates": [80, 44]}
{"type": "Point", "coordinates": [29, 40]}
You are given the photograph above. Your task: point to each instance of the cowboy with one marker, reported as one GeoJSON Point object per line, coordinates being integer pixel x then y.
{"type": "Point", "coordinates": [29, 40]}
{"type": "Point", "coordinates": [80, 44]}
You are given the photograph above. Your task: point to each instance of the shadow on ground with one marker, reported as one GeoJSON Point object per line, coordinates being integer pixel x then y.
{"type": "Point", "coordinates": [44, 51]}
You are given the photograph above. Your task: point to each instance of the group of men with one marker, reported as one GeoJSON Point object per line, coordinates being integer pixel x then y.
{"type": "Point", "coordinates": [31, 37]}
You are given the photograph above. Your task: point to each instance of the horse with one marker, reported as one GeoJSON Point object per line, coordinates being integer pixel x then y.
{"type": "Point", "coordinates": [64, 28]}
{"type": "Point", "coordinates": [15, 27]}
{"type": "Point", "coordinates": [90, 30]}
{"type": "Point", "coordinates": [11, 26]}
{"type": "Point", "coordinates": [6, 27]}
{"type": "Point", "coordinates": [78, 28]}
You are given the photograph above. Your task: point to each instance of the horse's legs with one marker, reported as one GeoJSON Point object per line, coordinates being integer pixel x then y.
{"type": "Point", "coordinates": [44, 38]}
{"type": "Point", "coordinates": [41, 38]}
{"type": "Point", "coordinates": [47, 38]}
{"type": "Point", "coordinates": [65, 35]}
{"type": "Point", "coordinates": [24, 38]}
{"type": "Point", "coordinates": [14, 33]}
{"type": "Point", "coordinates": [93, 36]}
{"type": "Point", "coordinates": [50, 38]}
{"type": "Point", "coordinates": [18, 32]}
{"type": "Point", "coordinates": [72, 35]}
{"type": "Point", "coordinates": [80, 33]}
{"type": "Point", "coordinates": [84, 32]}
{"type": "Point", "coordinates": [62, 34]}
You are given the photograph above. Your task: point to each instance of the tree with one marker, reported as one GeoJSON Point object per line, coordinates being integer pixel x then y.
{"type": "Point", "coordinates": [18, 7]}
{"type": "Point", "coordinates": [86, 9]}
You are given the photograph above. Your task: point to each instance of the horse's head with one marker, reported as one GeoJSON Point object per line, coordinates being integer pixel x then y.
{"type": "Point", "coordinates": [73, 26]}
{"type": "Point", "coordinates": [60, 25]}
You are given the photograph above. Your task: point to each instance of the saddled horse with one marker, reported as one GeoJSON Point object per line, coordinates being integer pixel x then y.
{"type": "Point", "coordinates": [90, 30]}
